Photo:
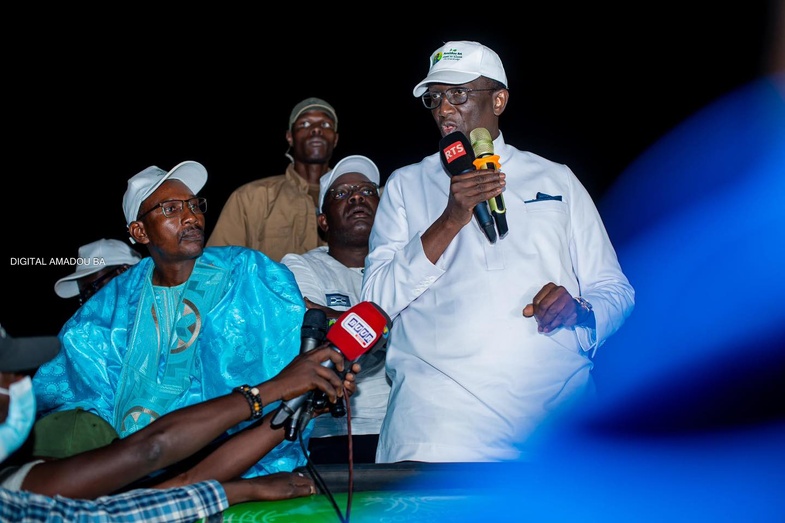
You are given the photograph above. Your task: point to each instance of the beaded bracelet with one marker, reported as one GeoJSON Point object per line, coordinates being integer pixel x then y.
{"type": "Point", "coordinates": [254, 400]}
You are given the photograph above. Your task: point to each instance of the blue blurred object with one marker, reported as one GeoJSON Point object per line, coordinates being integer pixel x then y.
{"type": "Point", "coordinates": [691, 420]}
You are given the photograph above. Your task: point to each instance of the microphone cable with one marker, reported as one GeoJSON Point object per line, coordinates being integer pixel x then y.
{"type": "Point", "coordinates": [311, 466]}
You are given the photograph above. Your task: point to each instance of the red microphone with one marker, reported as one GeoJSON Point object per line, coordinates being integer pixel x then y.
{"type": "Point", "coordinates": [354, 333]}
{"type": "Point", "coordinates": [359, 329]}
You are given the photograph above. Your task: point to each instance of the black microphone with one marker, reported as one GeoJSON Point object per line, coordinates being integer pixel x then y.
{"type": "Point", "coordinates": [458, 158]}
{"type": "Point", "coordinates": [482, 144]}
{"type": "Point", "coordinates": [312, 334]}
{"type": "Point", "coordinates": [313, 331]}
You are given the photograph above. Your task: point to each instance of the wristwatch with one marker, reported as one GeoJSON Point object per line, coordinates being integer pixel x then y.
{"type": "Point", "coordinates": [585, 306]}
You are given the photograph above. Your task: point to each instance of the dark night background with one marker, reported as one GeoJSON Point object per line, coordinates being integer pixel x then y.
{"type": "Point", "coordinates": [88, 105]}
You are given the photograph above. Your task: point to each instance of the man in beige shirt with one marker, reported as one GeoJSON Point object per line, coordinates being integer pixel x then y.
{"type": "Point", "coordinates": [277, 214]}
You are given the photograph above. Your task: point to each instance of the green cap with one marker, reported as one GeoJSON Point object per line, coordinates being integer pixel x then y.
{"type": "Point", "coordinates": [68, 432]}
{"type": "Point", "coordinates": [313, 104]}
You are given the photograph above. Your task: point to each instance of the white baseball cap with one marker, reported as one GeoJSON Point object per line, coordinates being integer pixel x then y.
{"type": "Point", "coordinates": [351, 164]}
{"type": "Point", "coordinates": [94, 257]}
{"type": "Point", "coordinates": [461, 62]}
{"type": "Point", "coordinates": [143, 184]}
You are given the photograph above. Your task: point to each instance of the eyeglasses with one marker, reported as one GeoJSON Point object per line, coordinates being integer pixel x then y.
{"type": "Point", "coordinates": [455, 95]}
{"type": "Point", "coordinates": [343, 192]}
{"type": "Point", "coordinates": [88, 289]}
{"type": "Point", "coordinates": [172, 208]}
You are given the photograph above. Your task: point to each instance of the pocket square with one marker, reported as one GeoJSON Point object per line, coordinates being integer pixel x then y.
{"type": "Point", "coordinates": [541, 197]}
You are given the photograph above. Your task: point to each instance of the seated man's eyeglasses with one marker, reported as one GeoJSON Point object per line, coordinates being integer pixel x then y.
{"type": "Point", "coordinates": [455, 95]}
{"type": "Point", "coordinates": [343, 192]}
{"type": "Point", "coordinates": [172, 208]}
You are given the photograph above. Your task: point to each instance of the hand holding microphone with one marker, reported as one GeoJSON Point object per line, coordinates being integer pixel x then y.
{"type": "Point", "coordinates": [482, 144]}
{"type": "Point", "coordinates": [312, 336]}
{"type": "Point", "coordinates": [458, 158]}
{"type": "Point", "coordinates": [354, 333]}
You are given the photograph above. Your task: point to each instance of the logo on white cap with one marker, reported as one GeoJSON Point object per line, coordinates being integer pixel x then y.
{"type": "Point", "coordinates": [461, 62]}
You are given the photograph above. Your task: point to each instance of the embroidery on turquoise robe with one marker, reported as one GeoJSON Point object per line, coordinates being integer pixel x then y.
{"type": "Point", "coordinates": [158, 366]}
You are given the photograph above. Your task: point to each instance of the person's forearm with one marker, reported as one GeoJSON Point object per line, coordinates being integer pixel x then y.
{"type": "Point", "coordinates": [168, 440]}
{"type": "Point", "coordinates": [279, 485]}
{"type": "Point", "coordinates": [239, 491]}
{"type": "Point", "coordinates": [438, 237]}
{"type": "Point", "coordinates": [233, 457]}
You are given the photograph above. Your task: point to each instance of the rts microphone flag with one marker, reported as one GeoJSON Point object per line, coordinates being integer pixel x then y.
{"type": "Point", "coordinates": [458, 158]}
{"type": "Point", "coordinates": [482, 144]}
{"type": "Point", "coordinates": [354, 333]}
